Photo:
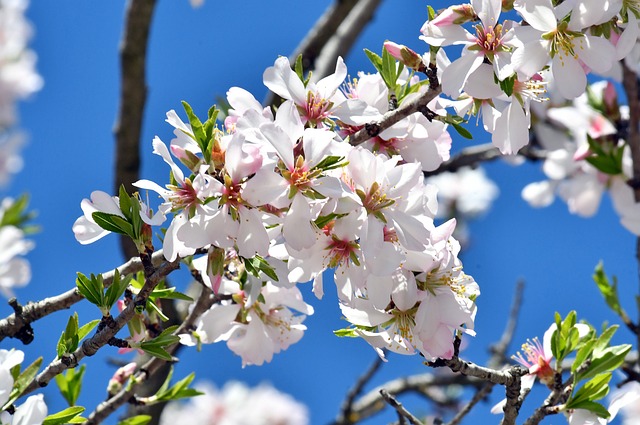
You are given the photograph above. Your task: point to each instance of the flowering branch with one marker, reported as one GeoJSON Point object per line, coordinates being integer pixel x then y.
{"type": "Point", "coordinates": [13, 325]}
{"type": "Point", "coordinates": [91, 346]}
{"type": "Point", "coordinates": [203, 303]}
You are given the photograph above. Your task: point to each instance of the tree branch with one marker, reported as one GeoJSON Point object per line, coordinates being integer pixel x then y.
{"type": "Point", "coordinates": [91, 346]}
{"type": "Point", "coordinates": [133, 96]}
{"type": "Point", "coordinates": [390, 118]}
{"type": "Point", "coordinates": [402, 412]}
{"type": "Point", "coordinates": [12, 325]}
{"type": "Point", "coordinates": [346, 410]}
{"type": "Point", "coordinates": [344, 37]}
{"type": "Point", "coordinates": [104, 409]}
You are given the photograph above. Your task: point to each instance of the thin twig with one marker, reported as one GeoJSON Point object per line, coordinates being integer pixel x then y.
{"type": "Point", "coordinates": [402, 412]}
{"type": "Point", "coordinates": [499, 349]}
{"type": "Point", "coordinates": [477, 397]}
{"type": "Point", "coordinates": [346, 411]}
{"type": "Point", "coordinates": [372, 402]}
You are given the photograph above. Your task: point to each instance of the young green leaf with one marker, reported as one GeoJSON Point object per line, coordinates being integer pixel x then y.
{"type": "Point", "coordinates": [64, 416]}
{"type": "Point", "coordinates": [70, 384]}
{"type": "Point", "coordinates": [68, 341]}
{"type": "Point", "coordinates": [136, 420]}
{"type": "Point", "coordinates": [22, 382]}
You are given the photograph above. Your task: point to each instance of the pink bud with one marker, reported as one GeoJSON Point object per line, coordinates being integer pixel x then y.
{"type": "Point", "coordinates": [404, 54]}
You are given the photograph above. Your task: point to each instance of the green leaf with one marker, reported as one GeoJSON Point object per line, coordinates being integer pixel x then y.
{"type": "Point", "coordinates": [592, 406]}
{"type": "Point", "coordinates": [583, 353]}
{"type": "Point", "coordinates": [179, 390]}
{"type": "Point", "coordinates": [70, 384]}
{"type": "Point", "coordinates": [90, 289]}
{"type": "Point", "coordinates": [347, 332]}
{"type": "Point", "coordinates": [68, 341]}
{"type": "Point", "coordinates": [154, 308]}
{"type": "Point", "coordinates": [298, 67]}
{"type": "Point", "coordinates": [124, 202]}
{"type": "Point", "coordinates": [136, 420]}
{"type": "Point", "coordinates": [64, 416]}
{"type": "Point", "coordinates": [608, 291]}
{"type": "Point", "coordinates": [106, 221]}
{"type": "Point", "coordinates": [592, 390]}
{"type": "Point", "coordinates": [86, 329]}
{"type": "Point", "coordinates": [170, 293]}
{"type": "Point", "coordinates": [329, 163]}
{"type": "Point", "coordinates": [22, 382]}
{"type": "Point", "coordinates": [375, 59]}
{"type": "Point", "coordinates": [198, 131]}
{"type": "Point", "coordinates": [14, 214]}
{"type": "Point", "coordinates": [606, 361]}
{"type": "Point", "coordinates": [462, 131]}
{"type": "Point", "coordinates": [158, 352]}
{"type": "Point", "coordinates": [117, 288]}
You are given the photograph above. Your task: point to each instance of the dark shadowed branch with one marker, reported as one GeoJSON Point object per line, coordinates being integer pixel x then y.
{"type": "Point", "coordinates": [133, 97]}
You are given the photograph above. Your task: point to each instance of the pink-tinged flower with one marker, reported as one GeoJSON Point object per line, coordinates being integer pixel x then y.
{"type": "Point", "coordinates": [550, 38]}
{"type": "Point", "coordinates": [316, 101]}
{"type": "Point", "coordinates": [491, 40]}
{"type": "Point", "coordinates": [260, 323]}
{"type": "Point", "coordinates": [538, 358]}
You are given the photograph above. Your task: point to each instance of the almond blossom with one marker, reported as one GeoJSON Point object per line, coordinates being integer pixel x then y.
{"type": "Point", "coordinates": [552, 38]}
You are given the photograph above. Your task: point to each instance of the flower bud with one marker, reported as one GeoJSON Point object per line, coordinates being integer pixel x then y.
{"type": "Point", "coordinates": [454, 15]}
{"type": "Point", "coordinates": [120, 377]}
{"type": "Point", "coordinates": [405, 55]}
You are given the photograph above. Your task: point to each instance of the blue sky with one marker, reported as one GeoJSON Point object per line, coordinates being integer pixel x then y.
{"type": "Point", "coordinates": [196, 55]}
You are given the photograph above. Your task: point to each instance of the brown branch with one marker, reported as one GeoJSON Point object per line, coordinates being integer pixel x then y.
{"type": "Point", "coordinates": [390, 118]}
{"type": "Point", "coordinates": [133, 96]}
{"type": "Point", "coordinates": [477, 397]}
{"type": "Point", "coordinates": [12, 325]}
{"type": "Point", "coordinates": [104, 409]}
{"type": "Point", "coordinates": [346, 410]}
{"type": "Point", "coordinates": [344, 37]}
{"type": "Point", "coordinates": [630, 84]}
{"type": "Point", "coordinates": [474, 155]}
{"type": "Point", "coordinates": [402, 412]}
{"type": "Point", "coordinates": [91, 346]}
{"type": "Point", "coordinates": [372, 402]}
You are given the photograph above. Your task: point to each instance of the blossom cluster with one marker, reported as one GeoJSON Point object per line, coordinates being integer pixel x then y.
{"type": "Point", "coordinates": [236, 404]}
{"type": "Point", "coordinates": [275, 199]}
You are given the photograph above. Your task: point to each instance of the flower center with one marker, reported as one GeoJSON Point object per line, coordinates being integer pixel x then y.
{"type": "Point", "coordinates": [490, 38]}
{"type": "Point", "coordinates": [317, 108]}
